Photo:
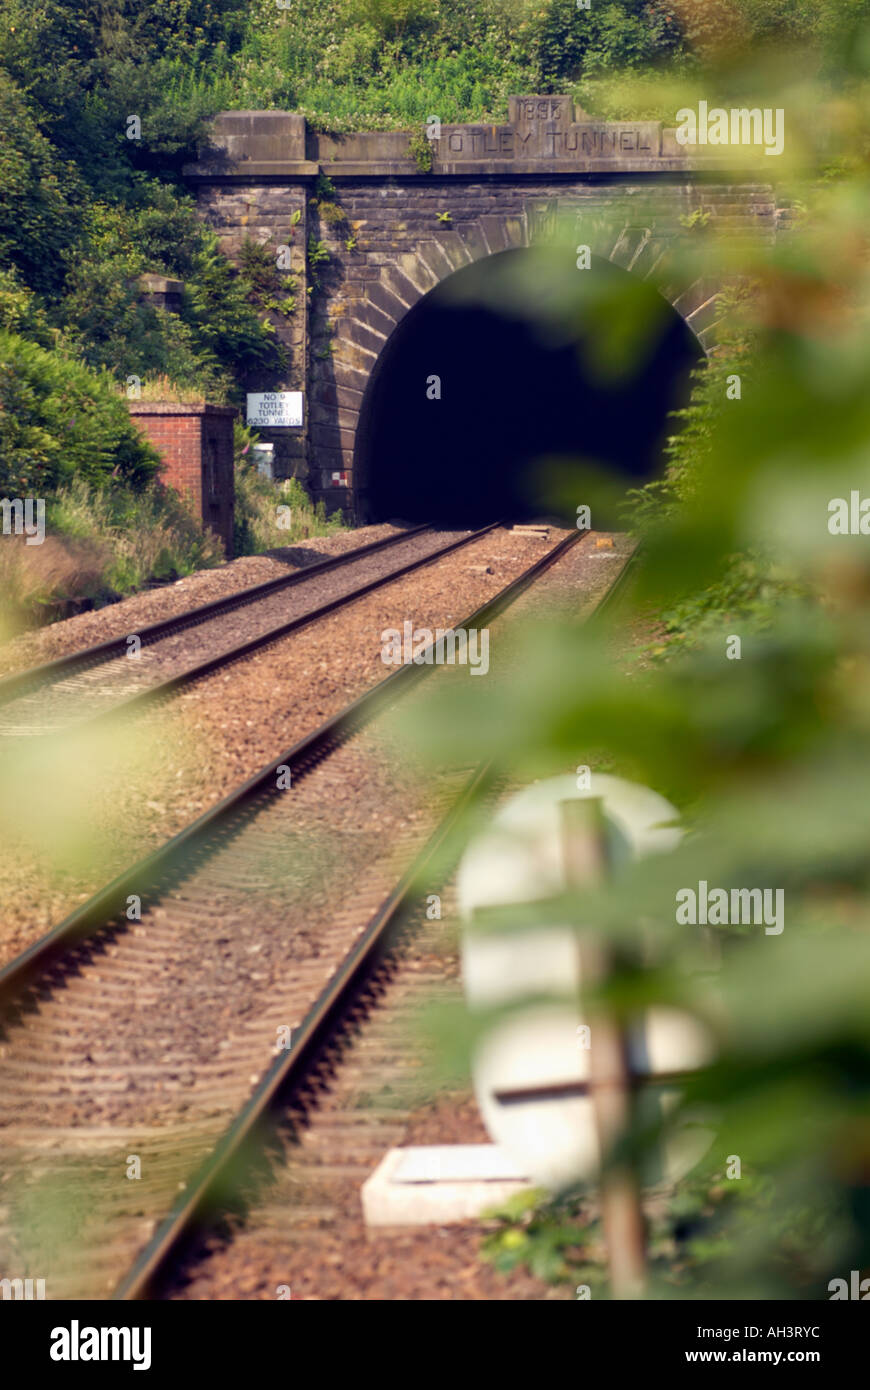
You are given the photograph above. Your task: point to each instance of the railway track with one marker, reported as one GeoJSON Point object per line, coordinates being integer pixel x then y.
{"type": "Point", "coordinates": [167, 1019]}
{"type": "Point", "coordinates": [154, 662]}
{"type": "Point", "coordinates": [295, 1219]}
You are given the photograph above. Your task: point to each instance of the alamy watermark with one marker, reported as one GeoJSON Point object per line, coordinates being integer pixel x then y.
{"type": "Point", "coordinates": [76, 1343]}
{"type": "Point", "coordinates": [441, 647]}
{"type": "Point", "coordinates": [23, 516]}
{"type": "Point", "coordinates": [26, 1289]}
{"type": "Point", "coordinates": [717, 907]}
{"type": "Point", "coordinates": [738, 126]}
{"type": "Point", "coordinates": [857, 1288]}
{"type": "Point", "coordinates": [849, 516]}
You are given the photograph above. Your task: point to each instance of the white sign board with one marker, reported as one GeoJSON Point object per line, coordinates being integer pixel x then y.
{"type": "Point", "coordinates": [275, 408]}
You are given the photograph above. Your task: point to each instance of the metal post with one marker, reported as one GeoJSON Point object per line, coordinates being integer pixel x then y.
{"type": "Point", "coordinates": [585, 857]}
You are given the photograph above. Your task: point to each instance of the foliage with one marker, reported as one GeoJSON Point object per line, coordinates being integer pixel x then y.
{"type": "Point", "coordinates": [58, 420]}
{"type": "Point", "coordinates": [268, 286]}
{"type": "Point", "coordinates": [751, 586]}
{"type": "Point", "coordinates": [84, 210]}
{"type": "Point", "coordinates": [148, 535]}
{"type": "Point", "coordinates": [317, 254]}
{"type": "Point", "coordinates": [420, 150]}
{"type": "Point", "coordinates": [541, 1233]}
{"type": "Point", "coordinates": [748, 597]}
{"type": "Point", "coordinates": [318, 251]}
{"type": "Point", "coordinates": [221, 333]}
{"type": "Point", "coordinates": [568, 41]}
{"type": "Point", "coordinates": [21, 311]}
{"type": "Point", "coordinates": [101, 544]}
{"type": "Point", "coordinates": [38, 192]}
{"type": "Point", "coordinates": [351, 64]}
{"type": "Point", "coordinates": [272, 514]}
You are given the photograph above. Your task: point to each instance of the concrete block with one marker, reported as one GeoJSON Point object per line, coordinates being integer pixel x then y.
{"type": "Point", "coordinates": [439, 1185]}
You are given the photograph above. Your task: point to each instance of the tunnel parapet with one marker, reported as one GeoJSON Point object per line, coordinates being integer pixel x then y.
{"type": "Point", "coordinates": [542, 134]}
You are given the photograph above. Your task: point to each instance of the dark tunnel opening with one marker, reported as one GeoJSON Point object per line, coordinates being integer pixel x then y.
{"type": "Point", "coordinates": [510, 399]}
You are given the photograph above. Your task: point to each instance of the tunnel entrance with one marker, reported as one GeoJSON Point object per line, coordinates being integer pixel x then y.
{"type": "Point", "coordinates": [512, 402]}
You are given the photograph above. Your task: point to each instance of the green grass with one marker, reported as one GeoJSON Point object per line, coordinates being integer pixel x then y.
{"type": "Point", "coordinates": [272, 514]}
{"type": "Point", "coordinates": [100, 545]}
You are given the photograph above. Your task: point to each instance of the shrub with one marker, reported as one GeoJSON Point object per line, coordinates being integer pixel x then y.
{"type": "Point", "coordinates": [101, 544]}
{"type": "Point", "coordinates": [58, 420]}
{"type": "Point", "coordinates": [21, 311]}
{"type": "Point", "coordinates": [267, 286]}
{"type": "Point", "coordinates": [420, 150]}
{"type": "Point", "coordinates": [37, 196]}
{"type": "Point", "coordinates": [145, 536]}
{"type": "Point", "coordinates": [221, 332]}
{"type": "Point", "coordinates": [257, 516]}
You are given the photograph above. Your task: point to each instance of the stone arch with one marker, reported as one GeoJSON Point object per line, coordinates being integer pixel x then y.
{"type": "Point", "coordinates": [369, 321]}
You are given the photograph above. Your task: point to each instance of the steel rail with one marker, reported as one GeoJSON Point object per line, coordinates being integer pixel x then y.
{"type": "Point", "coordinates": [614, 594]}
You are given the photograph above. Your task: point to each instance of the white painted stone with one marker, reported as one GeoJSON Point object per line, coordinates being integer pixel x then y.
{"type": "Point", "coordinates": [455, 1163]}
{"type": "Point", "coordinates": [439, 1185]}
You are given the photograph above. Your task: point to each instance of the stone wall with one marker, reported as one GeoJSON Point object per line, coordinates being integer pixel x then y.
{"type": "Point", "coordinates": [266, 213]}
